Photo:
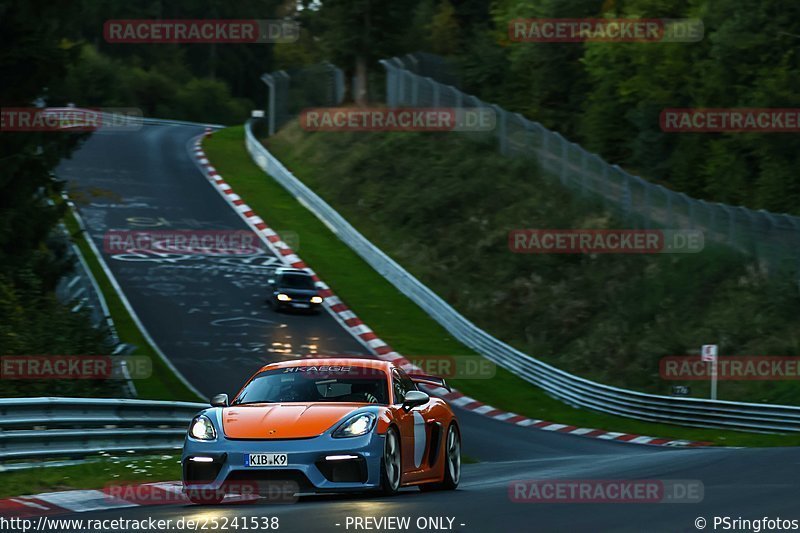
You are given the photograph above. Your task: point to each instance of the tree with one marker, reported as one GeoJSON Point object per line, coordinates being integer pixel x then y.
{"type": "Point", "coordinates": [357, 33]}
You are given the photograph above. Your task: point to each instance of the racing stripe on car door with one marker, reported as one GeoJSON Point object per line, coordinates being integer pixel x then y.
{"type": "Point", "coordinates": [420, 438]}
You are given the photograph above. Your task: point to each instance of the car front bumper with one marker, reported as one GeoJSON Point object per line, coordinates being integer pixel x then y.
{"type": "Point", "coordinates": [300, 306]}
{"type": "Point", "coordinates": [307, 464]}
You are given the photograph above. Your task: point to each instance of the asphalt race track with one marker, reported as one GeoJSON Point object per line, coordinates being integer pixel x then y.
{"type": "Point", "coordinates": [207, 314]}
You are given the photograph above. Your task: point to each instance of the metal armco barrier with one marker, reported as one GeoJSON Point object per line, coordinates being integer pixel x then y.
{"type": "Point", "coordinates": [562, 385]}
{"type": "Point", "coordinates": [47, 428]}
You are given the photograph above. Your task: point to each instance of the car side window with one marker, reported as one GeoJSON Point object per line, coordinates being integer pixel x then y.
{"type": "Point", "coordinates": [406, 381]}
{"type": "Point", "coordinates": [402, 384]}
{"type": "Point", "coordinates": [397, 385]}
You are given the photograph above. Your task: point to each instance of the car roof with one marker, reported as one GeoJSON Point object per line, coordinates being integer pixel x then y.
{"type": "Point", "coordinates": [386, 366]}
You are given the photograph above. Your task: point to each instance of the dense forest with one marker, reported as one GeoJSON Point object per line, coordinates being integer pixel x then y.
{"type": "Point", "coordinates": [606, 96]}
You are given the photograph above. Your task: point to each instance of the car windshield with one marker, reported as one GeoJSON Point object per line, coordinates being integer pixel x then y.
{"type": "Point", "coordinates": [316, 384]}
{"type": "Point", "coordinates": [296, 281]}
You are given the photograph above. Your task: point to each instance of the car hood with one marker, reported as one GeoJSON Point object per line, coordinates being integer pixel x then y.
{"type": "Point", "coordinates": [283, 421]}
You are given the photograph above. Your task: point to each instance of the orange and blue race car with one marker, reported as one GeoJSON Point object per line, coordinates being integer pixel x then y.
{"type": "Point", "coordinates": [326, 425]}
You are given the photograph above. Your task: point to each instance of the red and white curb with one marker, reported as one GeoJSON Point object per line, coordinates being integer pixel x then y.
{"type": "Point", "coordinates": [81, 501]}
{"type": "Point", "coordinates": [382, 350]}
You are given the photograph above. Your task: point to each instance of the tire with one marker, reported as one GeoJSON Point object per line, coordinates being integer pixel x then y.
{"type": "Point", "coordinates": [391, 464]}
{"type": "Point", "coordinates": [452, 463]}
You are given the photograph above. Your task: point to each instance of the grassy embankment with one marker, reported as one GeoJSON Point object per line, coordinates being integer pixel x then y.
{"type": "Point", "coordinates": [386, 192]}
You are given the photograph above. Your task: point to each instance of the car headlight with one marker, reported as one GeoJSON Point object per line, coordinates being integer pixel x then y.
{"type": "Point", "coordinates": [316, 299]}
{"type": "Point", "coordinates": [202, 428]}
{"type": "Point", "coordinates": [284, 297]}
{"type": "Point", "coordinates": [357, 425]}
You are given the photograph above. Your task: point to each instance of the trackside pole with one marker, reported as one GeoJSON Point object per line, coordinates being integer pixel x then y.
{"type": "Point", "coordinates": [709, 353]}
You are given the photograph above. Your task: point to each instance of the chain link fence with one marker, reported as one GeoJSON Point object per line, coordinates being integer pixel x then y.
{"type": "Point", "coordinates": [774, 239]}
{"type": "Point", "coordinates": [291, 91]}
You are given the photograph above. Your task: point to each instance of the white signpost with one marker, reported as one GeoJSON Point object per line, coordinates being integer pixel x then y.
{"type": "Point", "coordinates": [709, 354]}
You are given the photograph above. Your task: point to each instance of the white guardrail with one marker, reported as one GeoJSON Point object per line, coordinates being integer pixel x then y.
{"type": "Point", "coordinates": [74, 428]}
{"type": "Point", "coordinates": [562, 385]}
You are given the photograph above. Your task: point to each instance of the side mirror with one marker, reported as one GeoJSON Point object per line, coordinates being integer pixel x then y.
{"type": "Point", "coordinates": [219, 400]}
{"type": "Point", "coordinates": [415, 398]}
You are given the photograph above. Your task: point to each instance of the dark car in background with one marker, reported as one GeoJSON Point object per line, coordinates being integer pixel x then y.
{"type": "Point", "coordinates": [293, 288]}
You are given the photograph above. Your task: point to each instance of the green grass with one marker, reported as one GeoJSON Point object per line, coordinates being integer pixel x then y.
{"type": "Point", "coordinates": [402, 324]}
{"type": "Point", "coordinates": [162, 384]}
{"type": "Point", "coordinates": [93, 475]}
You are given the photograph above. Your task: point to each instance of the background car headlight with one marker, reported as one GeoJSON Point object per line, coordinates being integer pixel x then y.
{"type": "Point", "coordinates": [284, 297]}
{"type": "Point", "coordinates": [202, 428]}
{"type": "Point", "coordinates": [316, 299]}
{"type": "Point", "coordinates": [356, 426]}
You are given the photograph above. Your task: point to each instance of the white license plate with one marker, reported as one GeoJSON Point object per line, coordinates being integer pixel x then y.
{"type": "Point", "coordinates": [266, 459]}
{"type": "Point", "coordinates": [305, 306]}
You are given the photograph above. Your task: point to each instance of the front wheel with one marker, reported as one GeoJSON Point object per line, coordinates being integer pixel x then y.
{"type": "Point", "coordinates": [452, 466]}
{"type": "Point", "coordinates": [391, 464]}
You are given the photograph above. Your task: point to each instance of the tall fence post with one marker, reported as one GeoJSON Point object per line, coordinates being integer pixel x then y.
{"type": "Point", "coordinates": [392, 75]}
{"type": "Point", "coordinates": [338, 83]}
